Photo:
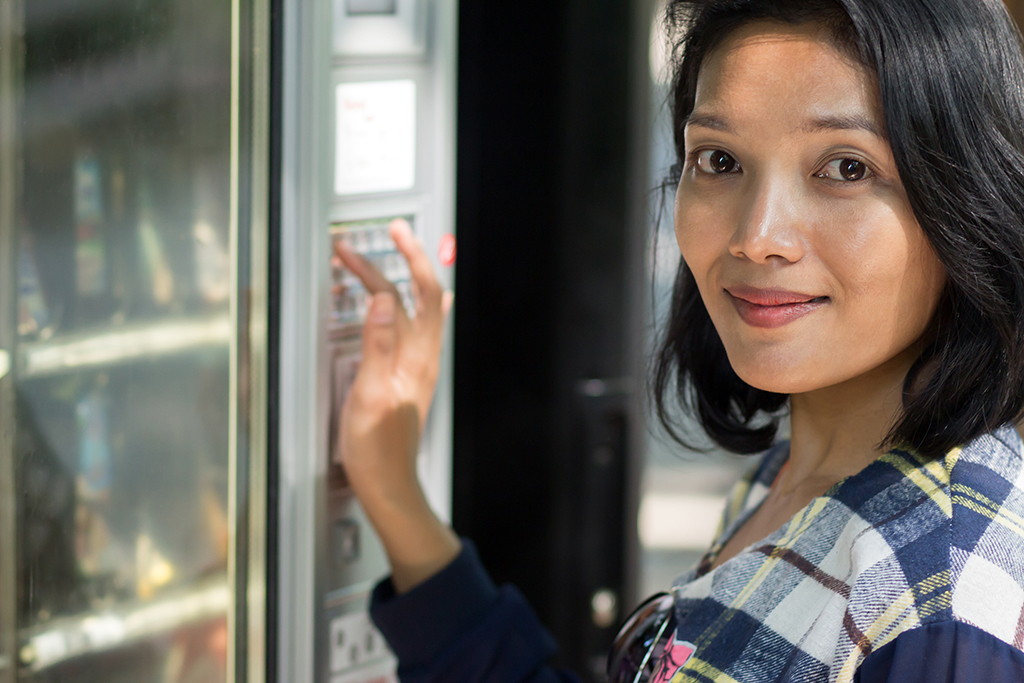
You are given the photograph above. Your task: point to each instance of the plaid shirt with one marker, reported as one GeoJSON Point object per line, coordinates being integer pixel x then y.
{"type": "Point", "coordinates": [905, 543]}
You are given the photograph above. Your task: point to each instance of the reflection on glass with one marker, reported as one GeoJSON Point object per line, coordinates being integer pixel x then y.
{"type": "Point", "coordinates": [122, 367]}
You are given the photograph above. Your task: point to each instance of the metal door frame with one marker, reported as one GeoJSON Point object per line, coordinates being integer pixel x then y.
{"type": "Point", "coordinates": [250, 359]}
{"type": "Point", "coordinates": [11, 34]}
{"type": "Point", "coordinates": [305, 195]}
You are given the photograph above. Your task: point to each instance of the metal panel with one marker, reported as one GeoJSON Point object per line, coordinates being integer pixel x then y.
{"type": "Point", "coordinates": [372, 28]}
{"type": "Point", "coordinates": [329, 556]}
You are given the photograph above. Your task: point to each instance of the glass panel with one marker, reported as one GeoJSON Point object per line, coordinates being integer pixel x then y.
{"type": "Point", "coordinates": [120, 337]}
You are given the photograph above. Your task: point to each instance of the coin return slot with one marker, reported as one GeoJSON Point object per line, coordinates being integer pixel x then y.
{"type": "Point", "coordinates": [346, 542]}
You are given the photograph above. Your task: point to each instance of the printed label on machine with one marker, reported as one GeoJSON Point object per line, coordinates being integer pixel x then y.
{"type": "Point", "coordinates": [375, 137]}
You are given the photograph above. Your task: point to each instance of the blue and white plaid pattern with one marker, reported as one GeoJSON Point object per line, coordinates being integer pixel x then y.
{"type": "Point", "coordinates": [904, 543]}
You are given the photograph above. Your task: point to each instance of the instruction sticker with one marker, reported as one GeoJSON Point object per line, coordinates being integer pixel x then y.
{"type": "Point", "coordinates": [376, 137]}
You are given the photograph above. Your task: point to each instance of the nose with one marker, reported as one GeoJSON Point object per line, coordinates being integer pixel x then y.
{"type": "Point", "coordinates": [769, 223]}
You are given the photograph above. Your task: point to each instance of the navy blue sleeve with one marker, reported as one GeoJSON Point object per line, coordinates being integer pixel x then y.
{"type": "Point", "coordinates": [947, 652]}
{"type": "Point", "coordinates": [459, 627]}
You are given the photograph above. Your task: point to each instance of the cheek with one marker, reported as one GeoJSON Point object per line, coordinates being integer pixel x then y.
{"type": "Point", "coordinates": [924, 285]}
{"type": "Point", "coordinates": [699, 234]}
{"type": "Point", "coordinates": [890, 279]}
{"type": "Point", "coordinates": [889, 284]}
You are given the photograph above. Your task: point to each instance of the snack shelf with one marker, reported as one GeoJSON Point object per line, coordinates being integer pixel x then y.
{"type": "Point", "coordinates": [63, 639]}
{"type": "Point", "coordinates": [145, 341]}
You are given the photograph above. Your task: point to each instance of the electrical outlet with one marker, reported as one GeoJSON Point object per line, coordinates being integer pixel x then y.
{"type": "Point", "coordinates": [384, 671]}
{"type": "Point", "coordinates": [355, 642]}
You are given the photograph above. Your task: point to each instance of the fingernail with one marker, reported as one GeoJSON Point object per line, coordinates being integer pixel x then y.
{"type": "Point", "coordinates": [382, 312]}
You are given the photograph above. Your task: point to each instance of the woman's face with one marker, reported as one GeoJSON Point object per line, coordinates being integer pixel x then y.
{"type": "Point", "coordinates": [791, 215]}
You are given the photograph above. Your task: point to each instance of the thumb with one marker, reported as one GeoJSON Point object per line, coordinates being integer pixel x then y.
{"type": "Point", "coordinates": [380, 336]}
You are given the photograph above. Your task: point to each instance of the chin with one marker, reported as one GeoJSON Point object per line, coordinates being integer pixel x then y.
{"type": "Point", "coordinates": [776, 377]}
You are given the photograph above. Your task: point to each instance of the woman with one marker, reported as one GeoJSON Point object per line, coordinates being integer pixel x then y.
{"type": "Point", "coordinates": [850, 214]}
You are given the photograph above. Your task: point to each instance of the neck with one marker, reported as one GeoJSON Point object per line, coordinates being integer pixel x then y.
{"type": "Point", "coordinates": [837, 430]}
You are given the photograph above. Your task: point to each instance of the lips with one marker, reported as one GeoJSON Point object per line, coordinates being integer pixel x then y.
{"type": "Point", "coordinates": [770, 308]}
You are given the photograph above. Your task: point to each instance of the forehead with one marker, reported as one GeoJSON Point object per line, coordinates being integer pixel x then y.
{"type": "Point", "coordinates": [770, 69]}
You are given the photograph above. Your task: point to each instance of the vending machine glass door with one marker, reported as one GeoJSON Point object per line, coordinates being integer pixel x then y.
{"type": "Point", "coordinates": [123, 248]}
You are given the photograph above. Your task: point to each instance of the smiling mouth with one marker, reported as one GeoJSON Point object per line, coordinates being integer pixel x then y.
{"type": "Point", "coordinates": [771, 308]}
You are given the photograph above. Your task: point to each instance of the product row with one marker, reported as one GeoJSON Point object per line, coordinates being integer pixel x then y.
{"type": "Point", "coordinates": [122, 480]}
{"type": "Point", "coordinates": [121, 239]}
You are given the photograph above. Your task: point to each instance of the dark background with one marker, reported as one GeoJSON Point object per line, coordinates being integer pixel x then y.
{"type": "Point", "coordinates": [551, 195]}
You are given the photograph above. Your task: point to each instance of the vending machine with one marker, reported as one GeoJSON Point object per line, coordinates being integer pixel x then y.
{"type": "Point", "coordinates": [368, 136]}
{"type": "Point", "coordinates": [175, 339]}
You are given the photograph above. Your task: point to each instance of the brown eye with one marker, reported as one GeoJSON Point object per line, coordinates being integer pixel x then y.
{"type": "Point", "coordinates": [722, 162]}
{"type": "Point", "coordinates": [849, 170]}
{"type": "Point", "coordinates": [852, 170]}
{"type": "Point", "coordinates": [717, 161]}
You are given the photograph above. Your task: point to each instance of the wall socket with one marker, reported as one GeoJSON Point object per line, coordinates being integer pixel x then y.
{"type": "Point", "coordinates": [355, 642]}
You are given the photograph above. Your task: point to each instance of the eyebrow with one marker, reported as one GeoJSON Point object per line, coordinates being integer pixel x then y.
{"type": "Point", "coordinates": [821, 123]}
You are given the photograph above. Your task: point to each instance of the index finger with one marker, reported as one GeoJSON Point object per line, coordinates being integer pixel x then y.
{"type": "Point", "coordinates": [372, 279]}
{"type": "Point", "coordinates": [428, 290]}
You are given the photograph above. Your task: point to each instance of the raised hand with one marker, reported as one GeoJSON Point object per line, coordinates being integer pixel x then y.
{"type": "Point", "coordinates": [384, 413]}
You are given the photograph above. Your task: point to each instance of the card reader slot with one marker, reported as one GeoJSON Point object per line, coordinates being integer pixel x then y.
{"type": "Point", "coordinates": [355, 8]}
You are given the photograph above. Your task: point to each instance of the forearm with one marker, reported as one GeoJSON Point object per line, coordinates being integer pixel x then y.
{"type": "Point", "coordinates": [417, 543]}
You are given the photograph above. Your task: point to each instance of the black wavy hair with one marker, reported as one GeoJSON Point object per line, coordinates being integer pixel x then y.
{"type": "Point", "coordinates": [951, 78]}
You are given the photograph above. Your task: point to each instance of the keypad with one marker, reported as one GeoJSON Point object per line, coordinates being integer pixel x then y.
{"type": "Point", "coordinates": [371, 239]}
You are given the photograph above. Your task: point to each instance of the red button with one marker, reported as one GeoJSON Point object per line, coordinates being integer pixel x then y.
{"type": "Point", "coordinates": [446, 251]}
